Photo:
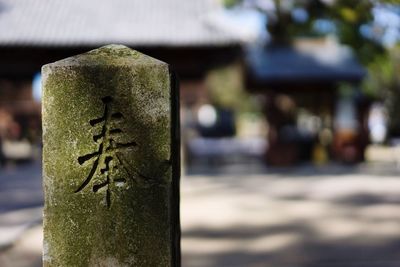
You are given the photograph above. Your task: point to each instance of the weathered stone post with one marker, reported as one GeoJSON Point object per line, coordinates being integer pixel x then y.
{"type": "Point", "coordinates": [110, 160]}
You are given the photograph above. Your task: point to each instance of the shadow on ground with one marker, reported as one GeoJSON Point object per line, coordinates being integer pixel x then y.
{"type": "Point", "coordinates": [300, 217]}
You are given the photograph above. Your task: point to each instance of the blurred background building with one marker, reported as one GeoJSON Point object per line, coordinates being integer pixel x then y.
{"type": "Point", "coordinates": [193, 40]}
{"type": "Point", "coordinates": [257, 76]}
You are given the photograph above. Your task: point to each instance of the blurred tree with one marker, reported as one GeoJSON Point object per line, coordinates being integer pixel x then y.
{"type": "Point", "coordinates": [288, 19]}
{"type": "Point", "coordinates": [226, 88]}
{"type": "Point", "coordinates": [227, 91]}
{"type": "Point", "coordinates": [349, 17]}
{"type": "Point", "coordinates": [383, 82]}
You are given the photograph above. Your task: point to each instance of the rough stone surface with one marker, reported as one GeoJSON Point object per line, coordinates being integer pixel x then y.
{"type": "Point", "coordinates": [110, 162]}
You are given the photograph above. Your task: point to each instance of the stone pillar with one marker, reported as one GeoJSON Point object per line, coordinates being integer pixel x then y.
{"type": "Point", "coordinates": [110, 160]}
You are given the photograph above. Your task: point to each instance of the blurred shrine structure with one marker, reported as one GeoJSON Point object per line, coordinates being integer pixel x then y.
{"type": "Point", "coordinates": [309, 114]}
{"type": "Point", "coordinates": [189, 35]}
{"type": "Point", "coordinates": [311, 101]}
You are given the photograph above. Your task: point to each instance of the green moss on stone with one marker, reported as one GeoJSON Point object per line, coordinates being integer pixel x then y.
{"type": "Point", "coordinates": [80, 229]}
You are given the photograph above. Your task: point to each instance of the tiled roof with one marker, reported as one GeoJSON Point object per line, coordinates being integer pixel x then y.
{"type": "Point", "coordinates": [97, 22]}
{"type": "Point", "coordinates": [308, 60]}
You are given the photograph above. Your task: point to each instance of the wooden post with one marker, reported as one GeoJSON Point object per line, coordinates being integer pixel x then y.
{"type": "Point", "coordinates": [110, 160]}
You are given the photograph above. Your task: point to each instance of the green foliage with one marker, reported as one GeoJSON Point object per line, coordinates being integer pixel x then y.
{"type": "Point", "coordinates": [283, 27]}
{"type": "Point", "coordinates": [381, 75]}
{"type": "Point", "coordinates": [347, 16]}
{"type": "Point", "coordinates": [226, 90]}
{"type": "Point", "coordinates": [394, 2]}
{"type": "Point", "coordinates": [230, 3]}
{"type": "Point", "coordinates": [383, 82]}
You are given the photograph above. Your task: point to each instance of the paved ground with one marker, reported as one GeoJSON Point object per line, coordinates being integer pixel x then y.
{"type": "Point", "coordinates": [21, 201]}
{"type": "Point", "coordinates": [329, 217]}
{"type": "Point", "coordinates": [20, 187]}
{"type": "Point", "coordinates": [302, 217]}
